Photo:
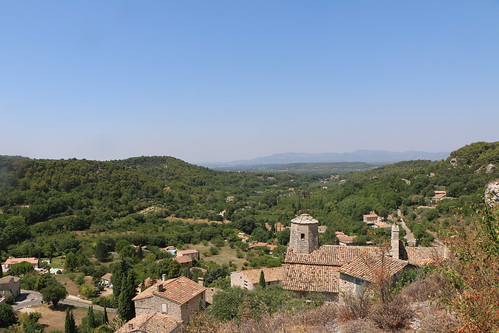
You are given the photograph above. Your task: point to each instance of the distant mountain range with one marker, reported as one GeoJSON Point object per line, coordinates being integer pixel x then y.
{"type": "Point", "coordinates": [366, 156]}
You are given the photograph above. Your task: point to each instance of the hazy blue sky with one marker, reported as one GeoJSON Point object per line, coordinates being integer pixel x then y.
{"type": "Point", "coordinates": [227, 80]}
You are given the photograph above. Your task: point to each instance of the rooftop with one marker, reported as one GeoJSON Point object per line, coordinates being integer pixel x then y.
{"type": "Point", "coordinates": [179, 290]}
{"type": "Point", "coordinates": [272, 274]}
{"type": "Point", "coordinates": [300, 277]}
{"type": "Point", "coordinates": [304, 219]}
{"type": "Point", "coordinates": [150, 323]}
{"type": "Point", "coordinates": [373, 266]}
{"type": "Point", "coordinates": [330, 255]}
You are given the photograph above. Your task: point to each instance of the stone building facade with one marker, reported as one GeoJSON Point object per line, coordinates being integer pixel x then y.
{"type": "Point", "coordinates": [178, 298]}
{"type": "Point", "coordinates": [304, 237]}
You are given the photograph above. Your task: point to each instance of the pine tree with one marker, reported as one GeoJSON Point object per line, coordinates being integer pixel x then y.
{"type": "Point", "coordinates": [262, 283]}
{"type": "Point", "coordinates": [126, 308]}
{"type": "Point", "coordinates": [69, 326]}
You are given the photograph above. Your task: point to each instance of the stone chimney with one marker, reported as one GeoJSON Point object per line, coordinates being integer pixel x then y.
{"type": "Point", "coordinates": [201, 281]}
{"type": "Point", "coordinates": [304, 234]}
{"type": "Point", "coordinates": [160, 287]}
{"type": "Point", "coordinates": [163, 277]}
{"type": "Point", "coordinates": [395, 251]}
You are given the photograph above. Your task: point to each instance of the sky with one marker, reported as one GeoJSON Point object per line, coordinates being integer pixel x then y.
{"type": "Point", "coordinates": [216, 81]}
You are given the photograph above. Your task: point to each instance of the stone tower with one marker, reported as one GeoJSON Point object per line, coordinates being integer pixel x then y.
{"type": "Point", "coordinates": [395, 251]}
{"type": "Point", "coordinates": [304, 236]}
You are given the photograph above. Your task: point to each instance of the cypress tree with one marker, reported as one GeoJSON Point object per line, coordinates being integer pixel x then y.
{"type": "Point", "coordinates": [126, 308]}
{"type": "Point", "coordinates": [69, 325]}
{"type": "Point", "coordinates": [261, 283]}
{"type": "Point", "coordinates": [1, 271]}
{"type": "Point", "coordinates": [105, 320]}
{"type": "Point", "coordinates": [91, 318]}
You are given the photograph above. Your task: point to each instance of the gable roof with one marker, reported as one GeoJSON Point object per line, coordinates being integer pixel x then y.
{"type": "Point", "coordinates": [272, 274]}
{"type": "Point", "coordinates": [330, 255]}
{"type": "Point", "coordinates": [150, 323]}
{"type": "Point", "coordinates": [185, 252]}
{"type": "Point", "coordinates": [370, 267]}
{"type": "Point", "coordinates": [12, 261]}
{"type": "Point", "coordinates": [301, 277]}
{"type": "Point", "coordinates": [179, 290]}
{"type": "Point", "coordinates": [7, 279]}
{"type": "Point", "coordinates": [423, 255]}
{"type": "Point", "coordinates": [107, 276]}
{"type": "Point", "coordinates": [183, 259]}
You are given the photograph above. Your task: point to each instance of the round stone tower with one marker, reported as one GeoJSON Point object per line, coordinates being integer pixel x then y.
{"type": "Point", "coordinates": [304, 236]}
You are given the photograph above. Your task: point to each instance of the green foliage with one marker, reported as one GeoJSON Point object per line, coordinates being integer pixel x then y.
{"type": "Point", "coordinates": [214, 274]}
{"type": "Point", "coordinates": [126, 308]}
{"type": "Point", "coordinates": [29, 322]}
{"type": "Point", "coordinates": [21, 269]}
{"type": "Point", "coordinates": [9, 299]}
{"type": "Point", "coordinates": [261, 281]}
{"type": "Point", "coordinates": [7, 315]}
{"type": "Point", "coordinates": [69, 324]}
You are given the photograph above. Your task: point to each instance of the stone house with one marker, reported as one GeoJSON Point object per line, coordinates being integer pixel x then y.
{"type": "Point", "coordinates": [178, 298]}
{"type": "Point", "coordinates": [184, 261]}
{"type": "Point", "coordinates": [10, 285]}
{"type": "Point", "coordinates": [439, 195]}
{"type": "Point", "coordinates": [191, 253]}
{"type": "Point", "coordinates": [12, 261]}
{"type": "Point", "coordinates": [105, 280]}
{"type": "Point", "coordinates": [371, 218]}
{"type": "Point", "coordinates": [152, 323]}
{"type": "Point", "coordinates": [250, 279]}
{"type": "Point", "coordinates": [333, 269]}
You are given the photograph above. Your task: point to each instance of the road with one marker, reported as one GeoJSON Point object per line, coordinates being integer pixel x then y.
{"type": "Point", "coordinates": [26, 299]}
{"type": "Point", "coordinates": [409, 236]}
{"type": "Point", "coordinates": [30, 298]}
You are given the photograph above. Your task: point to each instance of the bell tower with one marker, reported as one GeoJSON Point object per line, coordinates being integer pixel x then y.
{"type": "Point", "coordinates": [304, 236]}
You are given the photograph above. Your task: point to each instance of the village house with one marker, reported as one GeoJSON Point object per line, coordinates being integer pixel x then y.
{"type": "Point", "coordinates": [371, 218]}
{"type": "Point", "coordinates": [191, 253]}
{"type": "Point", "coordinates": [439, 195]}
{"type": "Point", "coordinates": [244, 236]}
{"type": "Point", "coordinates": [12, 261]}
{"type": "Point", "coordinates": [152, 323]}
{"type": "Point", "coordinates": [9, 285]}
{"type": "Point", "coordinates": [322, 229]}
{"type": "Point", "coordinates": [270, 247]}
{"type": "Point", "coordinates": [178, 298]}
{"type": "Point", "coordinates": [105, 280]}
{"type": "Point", "coordinates": [332, 269]}
{"type": "Point", "coordinates": [344, 240]}
{"type": "Point", "coordinates": [250, 279]}
{"type": "Point", "coordinates": [184, 261]}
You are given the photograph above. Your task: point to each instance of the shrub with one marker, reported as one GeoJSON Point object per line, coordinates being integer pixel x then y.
{"type": "Point", "coordinates": [392, 315]}
{"type": "Point", "coordinates": [355, 306]}
{"type": "Point", "coordinates": [9, 299]}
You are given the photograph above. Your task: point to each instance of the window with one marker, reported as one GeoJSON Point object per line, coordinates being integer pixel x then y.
{"type": "Point", "coordinates": [164, 308]}
{"type": "Point", "coordinates": [302, 236]}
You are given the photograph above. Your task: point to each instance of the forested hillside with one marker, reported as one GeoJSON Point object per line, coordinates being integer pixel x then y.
{"type": "Point", "coordinates": [42, 198]}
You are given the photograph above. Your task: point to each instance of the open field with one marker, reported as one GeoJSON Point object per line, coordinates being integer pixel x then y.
{"type": "Point", "coordinates": [53, 319]}
{"type": "Point", "coordinates": [226, 254]}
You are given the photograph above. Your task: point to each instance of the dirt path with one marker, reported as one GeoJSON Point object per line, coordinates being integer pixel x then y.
{"type": "Point", "coordinates": [409, 236]}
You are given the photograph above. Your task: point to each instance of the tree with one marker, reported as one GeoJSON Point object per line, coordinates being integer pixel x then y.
{"type": "Point", "coordinates": [53, 293]}
{"type": "Point", "coordinates": [30, 324]}
{"type": "Point", "coordinates": [169, 267]}
{"type": "Point", "coordinates": [126, 308]}
{"type": "Point", "coordinates": [91, 317]}
{"type": "Point", "coordinates": [262, 283]}
{"type": "Point", "coordinates": [21, 269]}
{"type": "Point", "coordinates": [1, 271]}
{"type": "Point", "coordinates": [119, 271]}
{"type": "Point", "coordinates": [7, 315]}
{"type": "Point", "coordinates": [101, 251]}
{"type": "Point", "coordinates": [70, 326]}
{"type": "Point", "coordinates": [105, 320]}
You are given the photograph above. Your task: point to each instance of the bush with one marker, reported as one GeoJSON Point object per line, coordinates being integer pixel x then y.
{"type": "Point", "coordinates": [355, 306]}
{"type": "Point", "coordinates": [9, 299]}
{"type": "Point", "coordinates": [392, 315]}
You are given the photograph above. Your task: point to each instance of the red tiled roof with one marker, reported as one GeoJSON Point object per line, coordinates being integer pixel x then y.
{"type": "Point", "coordinates": [369, 267]}
{"type": "Point", "coordinates": [184, 252]}
{"type": "Point", "coordinates": [183, 259]}
{"type": "Point", "coordinates": [423, 255]}
{"type": "Point", "coordinates": [299, 277]}
{"type": "Point", "coordinates": [179, 290]}
{"type": "Point", "coordinates": [107, 276]}
{"type": "Point", "coordinates": [12, 261]}
{"type": "Point", "coordinates": [272, 274]}
{"type": "Point", "coordinates": [150, 323]}
{"type": "Point", "coordinates": [330, 255]}
{"type": "Point", "coordinates": [370, 215]}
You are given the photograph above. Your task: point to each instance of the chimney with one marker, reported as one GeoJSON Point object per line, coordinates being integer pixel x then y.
{"type": "Point", "coordinates": [160, 287]}
{"type": "Point", "coordinates": [163, 277]}
{"type": "Point", "coordinates": [395, 251]}
{"type": "Point", "coordinates": [201, 281]}
{"type": "Point", "coordinates": [130, 327]}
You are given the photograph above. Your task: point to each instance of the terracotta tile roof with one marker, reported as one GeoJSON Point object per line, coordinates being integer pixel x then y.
{"type": "Point", "coordinates": [369, 267]}
{"type": "Point", "coordinates": [382, 224]}
{"type": "Point", "coordinates": [345, 238]}
{"type": "Point", "coordinates": [330, 255]}
{"type": "Point", "coordinates": [299, 277]}
{"type": "Point", "coordinates": [371, 216]}
{"type": "Point", "coordinates": [179, 290]}
{"type": "Point", "coordinates": [259, 244]}
{"type": "Point", "coordinates": [12, 261]}
{"type": "Point", "coordinates": [272, 274]}
{"type": "Point", "coordinates": [107, 276]}
{"type": "Point", "coordinates": [185, 252]}
{"type": "Point", "coordinates": [183, 259]}
{"type": "Point", "coordinates": [150, 323]}
{"type": "Point", "coordinates": [7, 279]}
{"type": "Point", "coordinates": [423, 255]}
{"type": "Point", "coordinates": [304, 219]}
{"type": "Point", "coordinates": [322, 228]}
{"type": "Point", "coordinates": [441, 192]}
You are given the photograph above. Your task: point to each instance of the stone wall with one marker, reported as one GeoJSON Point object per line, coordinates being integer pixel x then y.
{"type": "Point", "coordinates": [304, 238]}
{"type": "Point", "coordinates": [351, 285]}
{"type": "Point", "coordinates": [155, 303]}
